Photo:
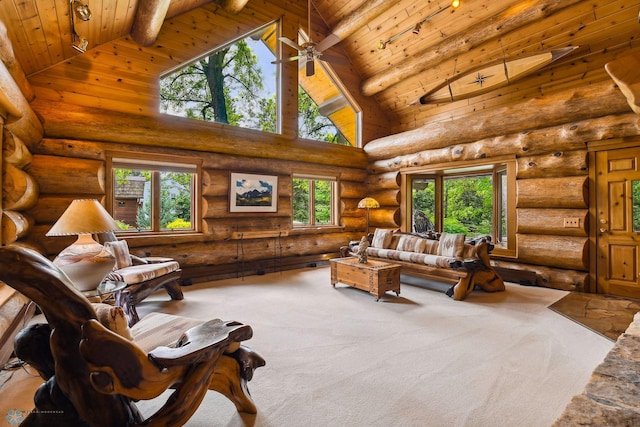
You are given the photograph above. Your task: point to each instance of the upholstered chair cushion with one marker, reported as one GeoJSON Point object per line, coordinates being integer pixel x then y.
{"type": "Point", "coordinates": [451, 245]}
{"type": "Point", "coordinates": [120, 250]}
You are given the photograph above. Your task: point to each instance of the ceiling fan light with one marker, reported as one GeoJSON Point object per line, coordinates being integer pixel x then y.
{"type": "Point", "coordinates": [455, 4]}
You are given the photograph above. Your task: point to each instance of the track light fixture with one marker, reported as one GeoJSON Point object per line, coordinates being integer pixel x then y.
{"type": "Point", "coordinates": [79, 10]}
{"type": "Point", "coordinates": [382, 44]}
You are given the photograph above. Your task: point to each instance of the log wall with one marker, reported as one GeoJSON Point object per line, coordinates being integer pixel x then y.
{"type": "Point", "coordinates": [214, 251]}
{"type": "Point", "coordinates": [548, 137]}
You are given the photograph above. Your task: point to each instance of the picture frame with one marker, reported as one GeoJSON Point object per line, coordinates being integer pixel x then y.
{"type": "Point", "coordinates": [253, 193]}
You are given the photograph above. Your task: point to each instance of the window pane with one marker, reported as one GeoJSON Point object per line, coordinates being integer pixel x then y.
{"type": "Point", "coordinates": [635, 188]}
{"type": "Point", "coordinates": [502, 238]}
{"type": "Point", "coordinates": [468, 205]}
{"type": "Point", "coordinates": [300, 201]}
{"type": "Point", "coordinates": [132, 199]}
{"type": "Point", "coordinates": [175, 200]}
{"type": "Point", "coordinates": [234, 84]}
{"type": "Point", "coordinates": [322, 202]}
{"type": "Point", "coordinates": [423, 204]}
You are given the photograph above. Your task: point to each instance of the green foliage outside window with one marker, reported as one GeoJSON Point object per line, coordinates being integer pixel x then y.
{"type": "Point", "coordinates": [312, 195]}
{"type": "Point", "coordinates": [175, 200]}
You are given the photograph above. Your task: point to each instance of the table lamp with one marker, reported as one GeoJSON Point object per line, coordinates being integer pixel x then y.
{"type": "Point", "coordinates": [368, 203]}
{"type": "Point", "coordinates": [86, 262]}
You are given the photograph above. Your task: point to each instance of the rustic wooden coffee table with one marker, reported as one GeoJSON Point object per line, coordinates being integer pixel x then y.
{"type": "Point", "coordinates": [375, 277]}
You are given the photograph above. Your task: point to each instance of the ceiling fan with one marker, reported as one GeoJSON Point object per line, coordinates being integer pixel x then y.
{"type": "Point", "coordinates": [309, 51]}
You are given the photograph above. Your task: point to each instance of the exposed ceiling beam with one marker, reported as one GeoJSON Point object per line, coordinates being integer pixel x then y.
{"type": "Point", "coordinates": [351, 23]}
{"type": "Point", "coordinates": [512, 18]}
{"type": "Point", "coordinates": [150, 16]}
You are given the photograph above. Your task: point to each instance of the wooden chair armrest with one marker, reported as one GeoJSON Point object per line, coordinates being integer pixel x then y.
{"type": "Point", "coordinates": [201, 342]}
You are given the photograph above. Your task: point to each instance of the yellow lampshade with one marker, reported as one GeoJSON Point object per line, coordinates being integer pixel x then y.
{"type": "Point", "coordinates": [368, 203]}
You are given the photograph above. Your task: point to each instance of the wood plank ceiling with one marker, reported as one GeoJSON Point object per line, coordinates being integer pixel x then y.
{"type": "Point", "coordinates": [449, 44]}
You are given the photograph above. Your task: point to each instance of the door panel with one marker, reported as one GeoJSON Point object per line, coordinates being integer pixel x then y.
{"type": "Point", "coordinates": [617, 176]}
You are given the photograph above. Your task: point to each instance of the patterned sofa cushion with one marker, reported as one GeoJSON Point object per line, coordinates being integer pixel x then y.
{"type": "Point", "coordinates": [412, 257]}
{"type": "Point", "coordinates": [382, 238]}
{"type": "Point", "coordinates": [451, 245]}
{"type": "Point", "coordinates": [139, 273]}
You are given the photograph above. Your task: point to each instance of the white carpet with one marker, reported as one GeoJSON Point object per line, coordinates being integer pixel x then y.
{"type": "Point", "coordinates": [336, 357]}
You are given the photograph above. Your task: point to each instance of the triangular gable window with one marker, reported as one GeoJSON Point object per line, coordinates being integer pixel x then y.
{"type": "Point", "coordinates": [326, 110]}
{"type": "Point", "coordinates": [234, 84]}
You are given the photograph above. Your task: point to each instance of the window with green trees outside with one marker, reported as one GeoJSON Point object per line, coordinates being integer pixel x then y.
{"type": "Point", "coordinates": [477, 200]}
{"type": "Point", "coordinates": [314, 200]}
{"type": "Point", "coordinates": [153, 196]}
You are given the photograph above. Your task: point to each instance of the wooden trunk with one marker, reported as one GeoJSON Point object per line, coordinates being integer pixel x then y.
{"type": "Point", "coordinates": [375, 277]}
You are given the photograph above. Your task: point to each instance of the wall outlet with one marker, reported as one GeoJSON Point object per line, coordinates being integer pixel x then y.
{"type": "Point", "coordinates": [572, 223]}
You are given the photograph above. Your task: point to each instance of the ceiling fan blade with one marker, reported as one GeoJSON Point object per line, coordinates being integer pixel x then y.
{"type": "Point", "coordinates": [290, 43]}
{"type": "Point", "coordinates": [333, 59]}
{"type": "Point", "coordinates": [290, 59]}
{"type": "Point", "coordinates": [329, 41]}
{"type": "Point", "coordinates": [311, 68]}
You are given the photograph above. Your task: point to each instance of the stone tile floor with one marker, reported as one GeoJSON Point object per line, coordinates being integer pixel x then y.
{"type": "Point", "coordinates": [607, 315]}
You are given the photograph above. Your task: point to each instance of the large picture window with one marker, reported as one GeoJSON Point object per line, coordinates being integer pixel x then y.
{"type": "Point", "coordinates": [234, 84]}
{"type": "Point", "coordinates": [474, 199]}
{"type": "Point", "coordinates": [314, 201]}
{"type": "Point", "coordinates": [153, 196]}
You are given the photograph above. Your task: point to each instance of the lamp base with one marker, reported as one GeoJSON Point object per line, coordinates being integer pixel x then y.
{"type": "Point", "coordinates": [86, 263]}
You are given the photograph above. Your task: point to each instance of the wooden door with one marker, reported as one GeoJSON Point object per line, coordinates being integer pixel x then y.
{"type": "Point", "coordinates": [618, 222]}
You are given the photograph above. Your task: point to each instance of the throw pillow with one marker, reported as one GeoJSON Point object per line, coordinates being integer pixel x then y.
{"type": "Point", "coordinates": [381, 238]}
{"type": "Point", "coordinates": [120, 250]}
{"type": "Point", "coordinates": [407, 243]}
{"type": "Point", "coordinates": [431, 246]}
{"type": "Point", "coordinates": [451, 245]}
{"type": "Point", "coordinates": [113, 318]}
{"type": "Point", "coordinates": [420, 246]}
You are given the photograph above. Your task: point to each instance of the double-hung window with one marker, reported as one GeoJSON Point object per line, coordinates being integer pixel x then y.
{"type": "Point", "coordinates": [474, 198]}
{"type": "Point", "coordinates": [154, 194]}
{"type": "Point", "coordinates": [314, 201]}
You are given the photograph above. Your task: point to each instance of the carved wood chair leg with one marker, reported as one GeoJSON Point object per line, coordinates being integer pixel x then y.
{"type": "Point", "coordinates": [226, 380]}
{"type": "Point", "coordinates": [463, 288]}
{"type": "Point", "coordinates": [174, 290]}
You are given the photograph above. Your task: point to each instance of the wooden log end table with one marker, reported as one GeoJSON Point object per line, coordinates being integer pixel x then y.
{"type": "Point", "coordinates": [375, 277]}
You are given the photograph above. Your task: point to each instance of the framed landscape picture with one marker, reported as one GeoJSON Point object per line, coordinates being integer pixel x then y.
{"type": "Point", "coordinates": [253, 193]}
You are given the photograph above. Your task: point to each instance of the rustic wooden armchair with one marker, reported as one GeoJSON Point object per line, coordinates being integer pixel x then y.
{"type": "Point", "coordinates": [143, 275]}
{"type": "Point", "coordinates": [94, 375]}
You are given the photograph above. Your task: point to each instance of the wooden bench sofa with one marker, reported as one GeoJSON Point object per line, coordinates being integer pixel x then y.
{"type": "Point", "coordinates": [447, 258]}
